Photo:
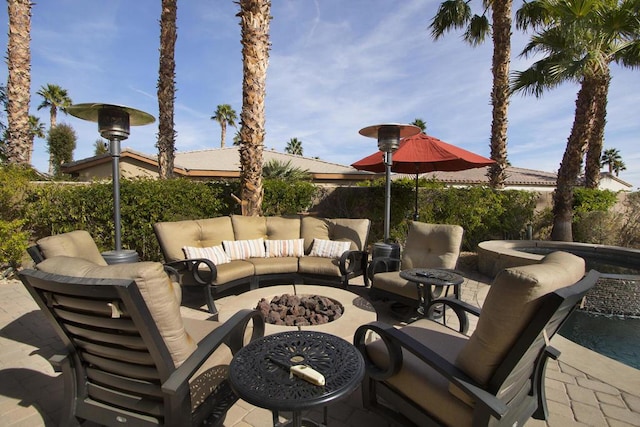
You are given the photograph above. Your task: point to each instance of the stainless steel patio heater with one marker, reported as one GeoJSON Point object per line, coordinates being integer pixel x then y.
{"type": "Point", "coordinates": [113, 125]}
{"type": "Point", "coordinates": [388, 136]}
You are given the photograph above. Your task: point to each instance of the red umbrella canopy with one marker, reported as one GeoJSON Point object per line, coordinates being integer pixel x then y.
{"type": "Point", "coordinates": [422, 153]}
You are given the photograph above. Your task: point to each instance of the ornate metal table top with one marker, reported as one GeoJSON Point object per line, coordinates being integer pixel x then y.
{"type": "Point", "coordinates": [432, 276]}
{"type": "Point", "coordinates": [257, 379]}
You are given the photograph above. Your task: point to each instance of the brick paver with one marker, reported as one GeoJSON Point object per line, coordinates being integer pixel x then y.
{"type": "Point", "coordinates": [31, 392]}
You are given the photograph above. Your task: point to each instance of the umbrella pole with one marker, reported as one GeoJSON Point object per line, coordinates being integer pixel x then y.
{"type": "Point", "coordinates": [415, 212]}
{"type": "Point", "coordinates": [387, 200]}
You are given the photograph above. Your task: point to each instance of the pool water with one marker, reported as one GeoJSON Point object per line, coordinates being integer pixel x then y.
{"type": "Point", "coordinates": [615, 337]}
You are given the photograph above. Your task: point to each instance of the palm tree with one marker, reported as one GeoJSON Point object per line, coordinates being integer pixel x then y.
{"type": "Point", "coordinates": [255, 16]}
{"type": "Point", "coordinates": [36, 128]}
{"type": "Point", "coordinates": [455, 14]}
{"type": "Point", "coordinates": [294, 146]}
{"type": "Point", "coordinates": [18, 143]}
{"type": "Point", "coordinates": [53, 97]}
{"type": "Point", "coordinates": [224, 115]}
{"type": "Point", "coordinates": [166, 143]}
{"type": "Point", "coordinates": [275, 169]}
{"type": "Point", "coordinates": [580, 40]}
{"type": "Point", "coordinates": [613, 160]}
{"type": "Point", "coordinates": [421, 124]}
{"type": "Point", "coordinates": [236, 138]}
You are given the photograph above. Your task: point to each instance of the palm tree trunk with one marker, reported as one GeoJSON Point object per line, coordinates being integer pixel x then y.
{"type": "Point", "coordinates": [166, 89]}
{"type": "Point", "coordinates": [500, 92]}
{"type": "Point", "coordinates": [596, 136]}
{"type": "Point", "coordinates": [18, 142]}
{"type": "Point", "coordinates": [255, 16]}
{"type": "Point", "coordinates": [223, 133]}
{"type": "Point", "coordinates": [571, 161]}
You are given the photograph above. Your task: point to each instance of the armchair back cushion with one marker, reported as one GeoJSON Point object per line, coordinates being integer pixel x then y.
{"type": "Point", "coordinates": [78, 243]}
{"type": "Point", "coordinates": [155, 286]}
{"type": "Point", "coordinates": [514, 297]}
{"type": "Point", "coordinates": [173, 236]}
{"type": "Point", "coordinates": [432, 246]}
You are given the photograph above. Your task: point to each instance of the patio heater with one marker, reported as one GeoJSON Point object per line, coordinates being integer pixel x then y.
{"type": "Point", "coordinates": [388, 136]}
{"type": "Point", "coordinates": [113, 125]}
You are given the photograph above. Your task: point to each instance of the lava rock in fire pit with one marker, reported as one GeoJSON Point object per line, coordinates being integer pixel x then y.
{"type": "Point", "coordinates": [299, 310]}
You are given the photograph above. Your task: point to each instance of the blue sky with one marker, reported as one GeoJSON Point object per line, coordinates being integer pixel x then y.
{"type": "Point", "coordinates": [335, 67]}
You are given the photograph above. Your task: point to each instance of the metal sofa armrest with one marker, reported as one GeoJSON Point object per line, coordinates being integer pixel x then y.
{"type": "Point", "coordinates": [353, 262]}
{"type": "Point", "coordinates": [231, 332]}
{"type": "Point", "coordinates": [192, 266]}
{"type": "Point", "coordinates": [396, 341]}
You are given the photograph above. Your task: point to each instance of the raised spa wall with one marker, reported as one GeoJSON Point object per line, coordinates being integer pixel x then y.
{"type": "Point", "coordinates": [613, 294]}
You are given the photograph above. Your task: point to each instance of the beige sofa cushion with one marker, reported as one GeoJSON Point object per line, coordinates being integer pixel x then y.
{"type": "Point", "coordinates": [155, 286]}
{"type": "Point", "coordinates": [173, 236]}
{"type": "Point", "coordinates": [311, 228]}
{"type": "Point", "coordinates": [249, 227]}
{"type": "Point", "coordinates": [78, 243]}
{"type": "Point", "coordinates": [513, 298]}
{"type": "Point", "coordinates": [432, 246]}
{"type": "Point", "coordinates": [355, 230]}
{"type": "Point", "coordinates": [283, 228]}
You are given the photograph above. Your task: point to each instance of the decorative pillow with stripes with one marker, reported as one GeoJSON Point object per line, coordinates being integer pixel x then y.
{"type": "Point", "coordinates": [216, 254]}
{"type": "Point", "coordinates": [243, 249]}
{"type": "Point", "coordinates": [282, 248]}
{"type": "Point", "coordinates": [329, 248]}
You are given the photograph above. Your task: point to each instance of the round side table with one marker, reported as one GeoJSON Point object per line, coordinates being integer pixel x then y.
{"type": "Point", "coordinates": [425, 278]}
{"type": "Point", "coordinates": [258, 372]}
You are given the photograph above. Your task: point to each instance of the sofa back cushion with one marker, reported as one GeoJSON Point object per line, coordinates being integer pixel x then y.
{"type": "Point", "coordinates": [283, 228]}
{"type": "Point", "coordinates": [249, 227]}
{"type": "Point", "coordinates": [354, 230]}
{"type": "Point", "coordinates": [173, 236]}
{"type": "Point", "coordinates": [514, 296]}
{"type": "Point", "coordinates": [313, 228]}
{"type": "Point", "coordinates": [432, 246]}
{"type": "Point", "coordinates": [155, 286]}
{"type": "Point", "coordinates": [78, 243]}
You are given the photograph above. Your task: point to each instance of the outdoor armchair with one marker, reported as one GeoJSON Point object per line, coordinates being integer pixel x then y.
{"type": "Point", "coordinates": [427, 246]}
{"type": "Point", "coordinates": [131, 358]}
{"type": "Point", "coordinates": [426, 373]}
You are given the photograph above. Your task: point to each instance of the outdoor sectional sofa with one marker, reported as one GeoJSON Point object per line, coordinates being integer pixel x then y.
{"type": "Point", "coordinates": [231, 251]}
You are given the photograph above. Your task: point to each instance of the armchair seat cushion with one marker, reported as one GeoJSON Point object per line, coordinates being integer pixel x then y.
{"type": "Point", "coordinates": [422, 384]}
{"type": "Point", "coordinates": [392, 282]}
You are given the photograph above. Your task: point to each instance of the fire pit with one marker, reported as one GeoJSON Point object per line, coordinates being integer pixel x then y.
{"type": "Point", "coordinates": [300, 310]}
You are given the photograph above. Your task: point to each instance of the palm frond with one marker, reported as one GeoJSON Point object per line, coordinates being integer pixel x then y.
{"type": "Point", "coordinates": [479, 27]}
{"type": "Point", "coordinates": [452, 14]}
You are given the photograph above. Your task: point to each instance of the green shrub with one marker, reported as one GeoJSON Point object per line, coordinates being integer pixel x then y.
{"type": "Point", "coordinates": [282, 197]}
{"type": "Point", "coordinates": [13, 243]}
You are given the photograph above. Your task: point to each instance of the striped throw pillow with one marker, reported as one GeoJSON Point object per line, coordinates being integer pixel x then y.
{"type": "Point", "coordinates": [216, 254]}
{"type": "Point", "coordinates": [243, 249]}
{"type": "Point", "coordinates": [282, 248]}
{"type": "Point", "coordinates": [329, 248]}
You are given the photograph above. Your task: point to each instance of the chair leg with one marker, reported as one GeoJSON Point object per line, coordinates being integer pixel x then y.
{"type": "Point", "coordinates": [211, 305]}
{"type": "Point", "coordinates": [62, 364]}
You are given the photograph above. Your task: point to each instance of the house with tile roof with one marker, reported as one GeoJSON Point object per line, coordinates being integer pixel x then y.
{"type": "Point", "coordinates": [224, 163]}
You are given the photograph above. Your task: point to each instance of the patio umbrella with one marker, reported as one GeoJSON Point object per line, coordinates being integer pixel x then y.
{"type": "Point", "coordinates": [422, 153]}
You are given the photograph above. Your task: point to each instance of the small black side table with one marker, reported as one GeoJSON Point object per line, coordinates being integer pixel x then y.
{"type": "Point", "coordinates": [258, 380]}
{"type": "Point", "coordinates": [425, 278]}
